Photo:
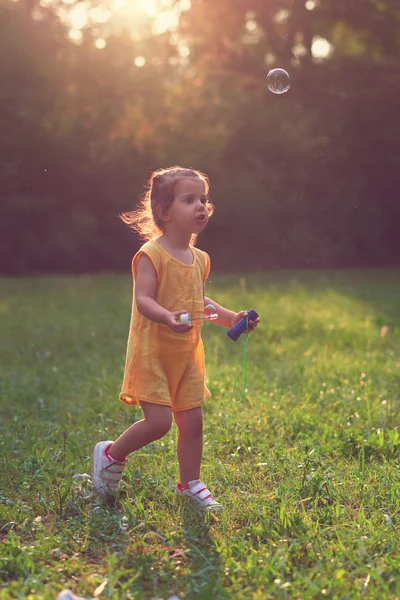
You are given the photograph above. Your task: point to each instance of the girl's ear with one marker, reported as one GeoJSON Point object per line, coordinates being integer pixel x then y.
{"type": "Point", "coordinates": [162, 213]}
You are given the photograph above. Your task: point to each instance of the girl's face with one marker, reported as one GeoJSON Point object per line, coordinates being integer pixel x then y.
{"type": "Point", "coordinates": [188, 212]}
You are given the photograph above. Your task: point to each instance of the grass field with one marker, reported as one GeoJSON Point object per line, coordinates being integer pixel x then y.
{"type": "Point", "coordinates": [307, 465]}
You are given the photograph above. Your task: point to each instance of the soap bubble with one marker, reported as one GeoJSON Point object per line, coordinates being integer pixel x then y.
{"type": "Point", "coordinates": [210, 312]}
{"type": "Point", "coordinates": [278, 81]}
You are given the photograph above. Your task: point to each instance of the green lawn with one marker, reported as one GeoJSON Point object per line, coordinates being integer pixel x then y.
{"type": "Point", "coordinates": [307, 465]}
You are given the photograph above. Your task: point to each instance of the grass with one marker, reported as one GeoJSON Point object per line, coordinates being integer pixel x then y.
{"type": "Point", "coordinates": [307, 465]}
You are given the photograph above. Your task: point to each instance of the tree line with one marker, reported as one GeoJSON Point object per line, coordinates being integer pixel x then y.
{"type": "Point", "coordinates": [306, 179]}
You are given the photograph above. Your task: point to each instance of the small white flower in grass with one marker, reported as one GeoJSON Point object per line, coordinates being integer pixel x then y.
{"type": "Point", "coordinates": [80, 476]}
{"type": "Point", "coordinates": [83, 484]}
{"type": "Point", "coordinates": [388, 520]}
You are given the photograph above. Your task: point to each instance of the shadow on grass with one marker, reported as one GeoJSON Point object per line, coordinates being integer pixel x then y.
{"type": "Point", "coordinates": [142, 557]}
{"type": "Point", "coordinates": [377, 288]}
{"type": "Point", "coordinates": [206, 567]}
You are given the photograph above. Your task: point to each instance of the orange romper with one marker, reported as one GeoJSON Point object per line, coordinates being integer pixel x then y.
{"type": "Point", "coordinates": [164, 367]}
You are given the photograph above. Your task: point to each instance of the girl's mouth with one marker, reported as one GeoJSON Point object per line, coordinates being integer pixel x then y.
{"type": "Point", "coordinates": [201, 218]}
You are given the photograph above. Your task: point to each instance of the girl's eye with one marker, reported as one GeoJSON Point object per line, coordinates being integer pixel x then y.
{"type": "Point", "coordinates": [191, 199]}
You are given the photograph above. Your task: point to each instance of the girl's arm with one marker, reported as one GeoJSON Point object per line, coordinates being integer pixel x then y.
{"type": "Point", "coordinates": [226, 318]}
{"type": "Point", "coordinates": [145, 291]}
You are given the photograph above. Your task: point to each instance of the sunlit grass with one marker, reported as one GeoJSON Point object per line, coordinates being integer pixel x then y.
{"type": "Point", "coordinates": [306, 465]}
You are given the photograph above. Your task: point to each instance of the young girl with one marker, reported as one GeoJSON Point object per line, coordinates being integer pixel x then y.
{"type": "Point", "coordinates": [164, 370]}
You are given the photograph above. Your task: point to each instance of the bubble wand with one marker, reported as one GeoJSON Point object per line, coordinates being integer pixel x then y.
{"type": "Point", "coordinates": [210, 314]}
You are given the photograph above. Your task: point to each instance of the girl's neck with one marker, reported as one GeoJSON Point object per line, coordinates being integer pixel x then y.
{"type": "Point", "coordinates": [174, 242]}
{"type": "Point", "coordinates": [180, 252]}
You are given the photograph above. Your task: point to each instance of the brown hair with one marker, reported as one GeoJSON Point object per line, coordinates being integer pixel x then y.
{"type": "Point", "coordinates": [146, 219]}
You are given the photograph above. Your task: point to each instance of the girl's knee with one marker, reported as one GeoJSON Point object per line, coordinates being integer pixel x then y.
{"type": "Point", "coordinates": [190, 422]}
{"type": "Point", "coordinates": [158, 417]}
{"type": "Point", "coordinates": [162, 425]}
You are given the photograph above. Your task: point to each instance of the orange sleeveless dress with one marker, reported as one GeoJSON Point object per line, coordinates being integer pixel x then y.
{"type": "Point", "coordinates": [164, 367]}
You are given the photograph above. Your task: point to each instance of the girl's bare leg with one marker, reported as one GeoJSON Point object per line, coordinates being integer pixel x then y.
{"type": "Point", "coordinates": [156, 423]}
{"type": "Point", "coordinates": [190, 443]}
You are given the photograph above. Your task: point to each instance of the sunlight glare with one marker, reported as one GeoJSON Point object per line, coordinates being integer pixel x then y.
{"type": "Point", "coordinates": [160, 15]}
{"type": "Point", "coordinates": [281, 16]}
{"type": "Point", "coordinates": [140, 61]}
{"type": "Point", "coordinates": [321, 48]}
{"type": "Point", "coordinates": [150, 7]}
{"type": "Point", "coordinates": [251, 25]}
{"type": "Point", "coordinates": [100, 43]}
{"type": "Point", "coordinates": [98, 14]}
{"type": "Point", "coordinates": [78, 16]}
{"type": "Point", "coordinates": [75, 35]}
{"type": "Point", "coordinates": [165, 20]}
{"type": "Point", "coordinates": [163, 13]}
{"type": "Point", "coordinates": [299, 50]}
{"type": "Point", "coordinates": [117, 4]}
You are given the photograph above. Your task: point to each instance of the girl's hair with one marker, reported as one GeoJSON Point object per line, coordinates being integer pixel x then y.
{"type": "Point", "coordinates": [146, 219]}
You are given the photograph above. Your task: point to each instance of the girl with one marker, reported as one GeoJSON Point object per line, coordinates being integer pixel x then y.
{"type": "Point", "coordinates": [164, 370]}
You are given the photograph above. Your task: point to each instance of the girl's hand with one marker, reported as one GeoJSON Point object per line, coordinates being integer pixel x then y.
{"type": "Point", "coordinates": [240, 315]}
{"type": "Point", "coordinates": [172, 321]}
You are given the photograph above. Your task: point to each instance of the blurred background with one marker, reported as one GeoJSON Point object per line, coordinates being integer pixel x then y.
{"type": "Point", "coordinates": [95, 94]}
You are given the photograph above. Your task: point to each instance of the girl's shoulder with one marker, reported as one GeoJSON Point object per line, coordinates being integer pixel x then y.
{"type": "Point", "coordinates": [204, 261]}
{"type": "Point", "coordinates": [153, 250]}
{"type": "Point", "coordinates": [151, 247]}
{"type": "Point", "coordinates": [200, 253]}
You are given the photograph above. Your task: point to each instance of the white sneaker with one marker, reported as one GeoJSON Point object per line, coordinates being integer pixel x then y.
{"type": "Point", "coordinates": [107, 472]}
{"type": "Point", "coordinates": [199, 492]}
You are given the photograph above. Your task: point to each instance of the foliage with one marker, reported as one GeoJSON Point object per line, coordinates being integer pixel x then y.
{"type": "Point", "coordinates": [315, 171]}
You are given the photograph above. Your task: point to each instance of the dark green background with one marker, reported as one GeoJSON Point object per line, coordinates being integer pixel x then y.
{"type": "Point", "coordinates": [307, 179]}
